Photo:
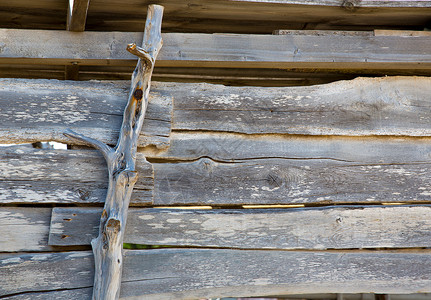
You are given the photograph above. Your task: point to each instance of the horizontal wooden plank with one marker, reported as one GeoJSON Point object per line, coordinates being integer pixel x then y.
{"type": "Point", "coordinates": [219, 50]}
{"type": "Point", "coordinates": [316, 228]}
{"type": "Point", "coordinates": [231, 169]}
{"type": "Point", "coordinates": [289, 181]}
{"type": "Point", "coordinates": [363, 106]}
{"type": "Point", "coordinates": [197, 274]}
{"type": "Point", "coordinates": [24, 229]}
{"type": "Point", "coordinates": [231, 147]}
{"type": "Point", "coordinates": [62, 176]}
{"type": "Point", "coordinates": [41, 110]}
{"type": "Point", "coordinates": [223, 15]}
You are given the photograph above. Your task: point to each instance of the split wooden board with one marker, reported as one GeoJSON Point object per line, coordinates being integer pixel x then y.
{"type": "Point", "coordinates": [203, 273]}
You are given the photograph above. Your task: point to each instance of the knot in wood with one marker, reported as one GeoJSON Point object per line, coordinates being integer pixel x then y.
{"type": "Point", "coordinates": [206, 165]}
{"type": "Point", "coordinates": [274, 180]}
{"type": "Point", "coordinates": [350, 5]}
{"type": "Point", "coordinates": [113, 225]}
{"type": "Point", "coordinates": [138, 94]}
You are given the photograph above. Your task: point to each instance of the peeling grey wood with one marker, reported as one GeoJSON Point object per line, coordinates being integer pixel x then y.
{"type": "Point", "coordinates": [244, 170]}
{"type": "Point", "coordinates": [55, 176]}
{"type": "Point", "coordinates": [220, 50]}
{"type": "Point", "coordinates": [181, 273]}
{"type": "Point", "coordinates": [290, 181]}
{"type": "Point", "coordinates": [40, 110]}
{"type": "Point", "coordinates": [36, 110]}
{"type": "Point", "coordinates": [364, 106]}
{"type": "Point", "coordinates": [314, 228]}
{"type": "Point", "coordinates": [24, 229]}
{"type": "Point", "coordinates": [387, 106]}
{"type": "Point", "coordinates": [230, 147]}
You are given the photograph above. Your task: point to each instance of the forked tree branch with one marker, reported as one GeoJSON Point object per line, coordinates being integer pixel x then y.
{"type": "Point", "coordinates": [108, 246]}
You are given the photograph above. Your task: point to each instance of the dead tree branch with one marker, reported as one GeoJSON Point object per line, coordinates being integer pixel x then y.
{"type": "Point", "coordinates": [108, 246]}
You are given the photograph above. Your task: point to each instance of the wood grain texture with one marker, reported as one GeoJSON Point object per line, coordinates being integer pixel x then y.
{"type": "Point", "coordinates": [220, 50]}
{"type": "Point", "coordinates": [311, 228]}
{"type": "Point", "coordinates": [121, 163]}
{"type": "Point", "coordinates": [230, 147]}
{"type": "Point", "coordinates": [363, 106]}
{"type": "Point", "coordinates": [223, 15]}
{"type": "Point", "coordinates": [289, 181]}
{"type": "Point", "coordinates": [57, 176]}
{"type": "Point", "coordinates": [24, 229]}
{"type": "Point", "coordinates": [225, 169]}
{"type": "Point", "coordinates": [41, 110]}
{"type": "Point", "coordinates": [197, 274]}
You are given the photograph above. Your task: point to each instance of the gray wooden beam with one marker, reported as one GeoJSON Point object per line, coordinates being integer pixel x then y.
{"type": "Point", "coordinates": [77, 15]}
{"type": "Point", "coordinates": [196, 274]}
{"type": "Point", "coordinates": [363, 106]}
{"type": "Point", "coordinates": [24, 229]}
{"type": "Point", "coordinates": [48, 176]}
{"type": "Point", "coordinates": [395, 106]}
{"type": "Point", "coordinates": [268, 170]}
{"type": "Point", "coordinates": [221, 50]}
{"type": "Point", "coordinates": [41, 110]}
{"type": "Point", "coordinates": [346, 227]}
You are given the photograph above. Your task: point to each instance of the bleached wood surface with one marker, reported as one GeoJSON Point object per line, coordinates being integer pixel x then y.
{"type": "Point", "coordinates": [347, 227]}
{"type": "Point", "coordinates": [290, 181]}
{"type": "Point", "coordinates": [24, 229]}
{"type": "Point", "coordinates": [363, 106]}
{"type": "Point", "coordinates": [41, 110]}
{"type": "Point", "coordinates": [307, 171]}
{"type": "Point", "coordinates": [196, 274]}
{"type": "Point", "coordinates": [219, 50]}
{"type": "Point", "coordinates": [57, 176]}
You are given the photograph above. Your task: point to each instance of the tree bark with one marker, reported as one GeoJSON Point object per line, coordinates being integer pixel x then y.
{"type": "Point", "coordinates": [108, 246]}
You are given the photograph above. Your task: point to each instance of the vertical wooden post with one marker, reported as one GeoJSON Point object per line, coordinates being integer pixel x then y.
{"type": "Point", "coordinates": [108, 246]}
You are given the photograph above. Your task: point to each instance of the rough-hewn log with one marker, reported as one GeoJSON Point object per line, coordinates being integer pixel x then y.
{"type": "Point", "coordinates": [107, 247]}
{"type": "Point", "coordinates": [311, 228]}
{"type": "Point", "coordinates": [209, 169]}
{"type": "Point", "coordinates": [289, 181]}
{"type": "Point", "coordinates": [56, 176]}
{"type": "Point", "coordinates": [220, 50]}
{"type": "Point", "coordinates": [364, 106]}
{"type": "Point", "coordinates": [40, 110]}
{"type": "Point", "coordinates": [196, 274]}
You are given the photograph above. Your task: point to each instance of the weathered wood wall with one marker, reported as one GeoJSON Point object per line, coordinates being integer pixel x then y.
{"type": "Point", "coordinates": [315, 192]}
{"type": "Point", "coordinates": [354, 143]}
